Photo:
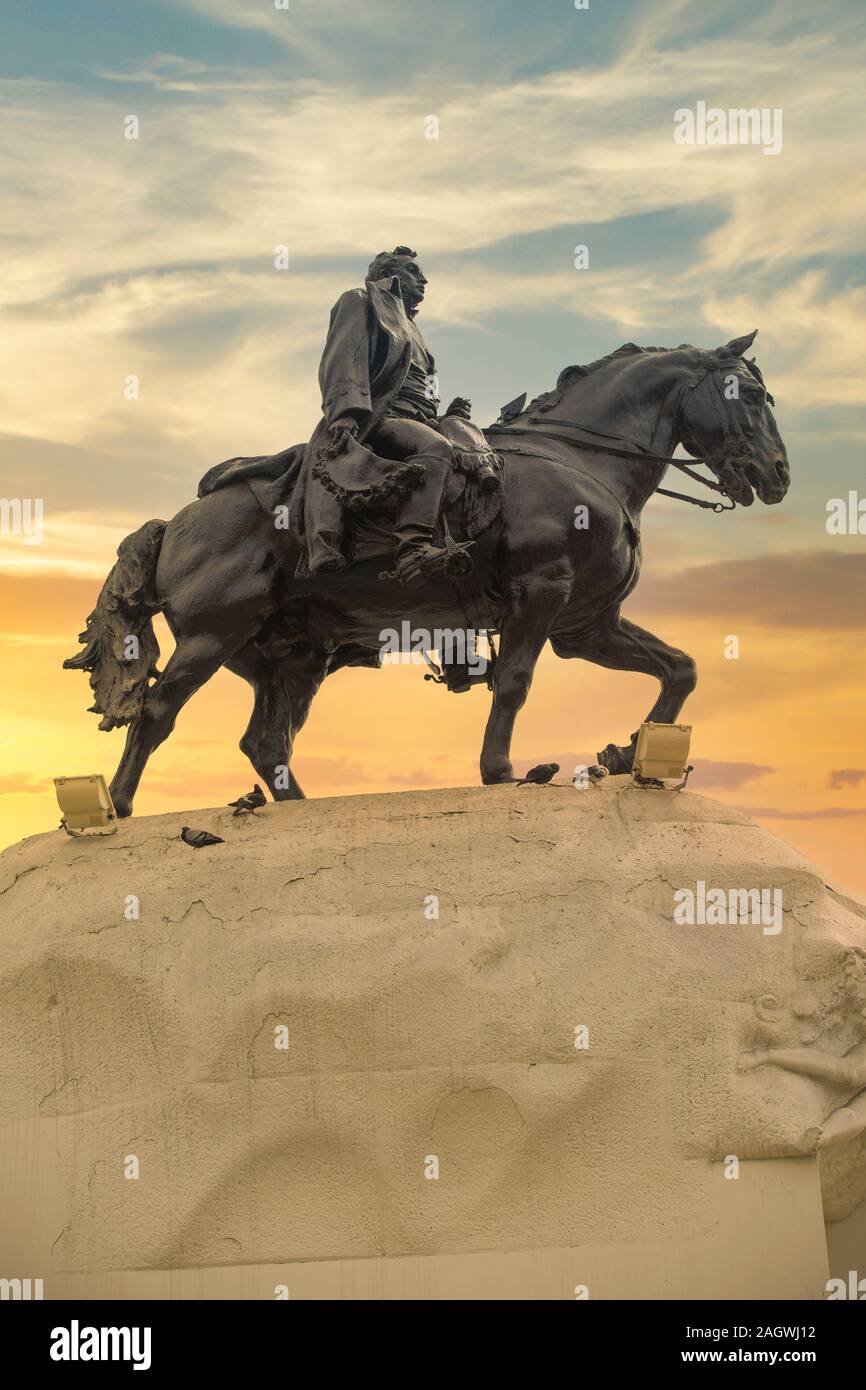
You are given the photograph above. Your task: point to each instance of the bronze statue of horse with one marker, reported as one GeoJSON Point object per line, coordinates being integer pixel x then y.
{"type": "Point", "coordinates": [224, 575]}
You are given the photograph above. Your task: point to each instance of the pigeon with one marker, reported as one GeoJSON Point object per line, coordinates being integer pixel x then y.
{"type": "Point", "coordinates": [593, 773]}
{"type": "Point", "coordinates": [540, 775]}
{"type": "Point", "coordinates": [250, 802]}
{"type": "Point", "coordinates": [198, 838]}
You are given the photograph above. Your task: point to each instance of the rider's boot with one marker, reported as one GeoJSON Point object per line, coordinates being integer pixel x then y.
{"type": "Point", "coordinates": [417, 557]}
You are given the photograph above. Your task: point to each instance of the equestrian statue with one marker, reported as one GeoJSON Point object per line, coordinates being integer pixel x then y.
{"type": "Point", "coordinates": [290, 566]}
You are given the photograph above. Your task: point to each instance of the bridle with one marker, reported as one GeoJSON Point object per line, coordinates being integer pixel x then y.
{"type": "Point", "coordinates": [727, 463]}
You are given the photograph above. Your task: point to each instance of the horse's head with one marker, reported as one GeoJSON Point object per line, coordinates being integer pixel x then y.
{"type": "Point", "coordinates": [725, 419]}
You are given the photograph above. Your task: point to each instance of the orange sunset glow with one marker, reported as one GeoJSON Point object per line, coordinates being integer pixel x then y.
{"type": "Point", "coordinates": [154, 258]}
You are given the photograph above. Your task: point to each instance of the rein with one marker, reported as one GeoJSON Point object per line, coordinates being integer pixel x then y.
{"type": "Point", "coordinates": [644, 457]}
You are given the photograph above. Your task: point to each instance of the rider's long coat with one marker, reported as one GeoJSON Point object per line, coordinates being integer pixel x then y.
{"type": "Point", "coordinates": [367, 353]}
{"type": "Point", "coordinates": [364, 364]}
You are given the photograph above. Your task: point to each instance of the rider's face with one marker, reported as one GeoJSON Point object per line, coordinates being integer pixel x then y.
{"type": "Point", "coordinates": [412, 280]}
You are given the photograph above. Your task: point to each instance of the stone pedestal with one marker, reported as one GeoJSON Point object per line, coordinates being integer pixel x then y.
{"type": "Point", "coordinates": [447, 1044]}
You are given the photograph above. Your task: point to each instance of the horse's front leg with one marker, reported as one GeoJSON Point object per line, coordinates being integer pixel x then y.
{"type": "Point", "coordinates": [525, 628]}
{"type": "Point", "coordinates": [623, 646]}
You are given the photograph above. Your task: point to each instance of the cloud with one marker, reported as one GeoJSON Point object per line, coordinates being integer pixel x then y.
{"type": "Point", "coordinates": [295, 22]}
{"type": "Point", "coordinates": [193, 765]}
{"type": "Point", "coordinates": [182, 223]}
{"type": "Point", "coordinates": [161, 259]}
{"type": "Point", "coordinates": [72, 544]}
{"type": "Point", "coordinates": [45, 605]}
{"type": "Point", "coordinates": [846, 777]}
{"type": "Point", "coordinates": [21, 784]}
{"type": "Point", "coordinates": [166, 70]}
{"type": "Point", "coordinates": [820, 590]}
{"type": "Point", "coordinates": [331, 772]}
{"type": "Point", "coordinates": [568, 762]}
{"type": "Point", "coordinates": [726, 775]}
{"type": "Point", "coordinates": [417, 778]}
{"type": "Point", "coordinates": [815, 335]}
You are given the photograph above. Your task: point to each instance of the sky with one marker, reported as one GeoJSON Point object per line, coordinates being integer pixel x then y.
{"type": "Point", "coordinates": [307, 127]}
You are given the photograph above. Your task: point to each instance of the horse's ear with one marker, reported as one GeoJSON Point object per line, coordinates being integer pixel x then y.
{"type": "Point", "coordinates": [737, 346]}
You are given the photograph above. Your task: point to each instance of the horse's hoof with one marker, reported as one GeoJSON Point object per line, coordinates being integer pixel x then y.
{"type": "Point", "coordinates": [496, 776]}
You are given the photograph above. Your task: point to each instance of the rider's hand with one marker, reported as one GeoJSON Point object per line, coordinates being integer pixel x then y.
{"type": "Point", "coordinates": [346, 425]}
{"type": "Point", "coordinates": [461, 407]}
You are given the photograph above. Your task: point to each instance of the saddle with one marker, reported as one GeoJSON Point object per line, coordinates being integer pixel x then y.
{"type": "Point", "coordinates": [365, 485]}
{"type": "Point", "coordinates": [473, 497]}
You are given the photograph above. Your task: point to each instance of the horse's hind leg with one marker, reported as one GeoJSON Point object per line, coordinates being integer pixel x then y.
{"type": "Point", "coordinates": [283, 691]}
{"type": "Point", "coordinates": [623, 646]}
{"type": "Point", "coordinates": [266, 740]}
{"type": "Point", "coordinates": [194, 661]}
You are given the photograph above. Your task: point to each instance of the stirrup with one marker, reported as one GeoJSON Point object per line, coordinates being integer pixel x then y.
{"type": "Point", "coordinates": [458, 560]}
{"type": "Point", "coordinates": [451, 559]}
{"type": "Point", "coordinates": [456, 677]}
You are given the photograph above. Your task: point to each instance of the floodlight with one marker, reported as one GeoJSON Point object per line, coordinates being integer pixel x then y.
{"type": "Point", "coordinates": [86, 804]}
{"type": "Point", "coordinates": [662, 751]}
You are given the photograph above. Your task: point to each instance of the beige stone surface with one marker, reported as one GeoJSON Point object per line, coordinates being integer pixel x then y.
{"type": "Point", "coordinates": [412, 1037]}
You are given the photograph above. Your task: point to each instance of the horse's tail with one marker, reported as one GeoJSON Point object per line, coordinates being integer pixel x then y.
{"type": "Point", "coordinates": [121, 650]}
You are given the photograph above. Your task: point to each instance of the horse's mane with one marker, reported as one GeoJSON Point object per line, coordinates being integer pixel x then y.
{"type": "Point", "coordinates": [548, 399]}
{"type": "Point", "coordinates": [569, 375]}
